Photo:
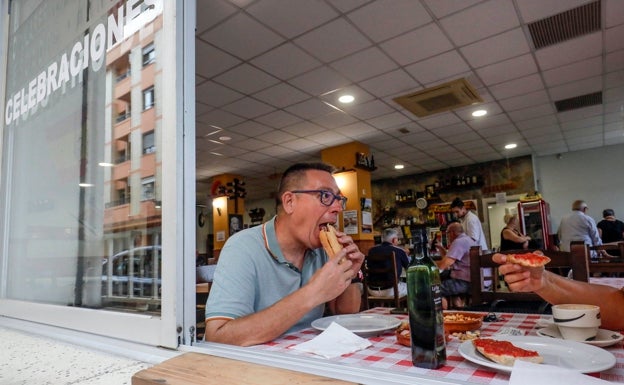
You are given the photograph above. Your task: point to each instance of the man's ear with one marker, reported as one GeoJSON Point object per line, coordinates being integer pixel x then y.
{"type": "Point", "coordinates": [288, 202]}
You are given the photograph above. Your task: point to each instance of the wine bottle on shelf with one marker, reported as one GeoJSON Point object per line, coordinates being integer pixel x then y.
{"type": "Point", "coordinates": [424, 305]}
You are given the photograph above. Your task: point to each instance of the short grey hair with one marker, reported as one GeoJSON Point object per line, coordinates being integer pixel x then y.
{"type": "Point", "coordinates": [389, 234]}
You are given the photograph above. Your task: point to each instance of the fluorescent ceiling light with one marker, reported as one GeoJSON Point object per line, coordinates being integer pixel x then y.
{"type": "Point", "coordinates": [346, 99]}
{"type": "Point", "coordinates": [105, 164]}
{"type": "Point", "coordinates": [85, 185]}
{"type": "Point", "coordinates": [478, 113]}
{"type": "Point", "coordinates": [510, 146]}
{"type": "Point", "coordinates": [399, 167]}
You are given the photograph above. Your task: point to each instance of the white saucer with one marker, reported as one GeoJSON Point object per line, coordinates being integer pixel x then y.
{"type": "Point", "coordinates": [603, 338]}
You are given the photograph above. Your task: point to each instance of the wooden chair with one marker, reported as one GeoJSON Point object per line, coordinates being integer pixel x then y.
{"type": "Point", "coordinates": [602, 265]}
{"type": "Point", "coordinates": [380, 272]}
{"type": "Point", "coordinates": [497, 295]}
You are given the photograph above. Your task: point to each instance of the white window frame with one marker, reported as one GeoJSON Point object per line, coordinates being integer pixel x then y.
{"type": "Point", "coordinates": [178, 189]}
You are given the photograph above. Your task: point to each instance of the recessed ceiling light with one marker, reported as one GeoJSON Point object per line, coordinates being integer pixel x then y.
{"type": "Point", "coordinates": [346, 99]}
{"type": "Point", "coordinates": [510, 146]}
{"type": "Point", "coordinates": [478, 113]}
{"type": "Point", "coordinates": [225, 138]}
{"type": "Point", "coordinates": [105, 164]}
{"type": "Point", "coordinates": [399, 167]}
{"type": "Point", "coordinates": [85, 185]}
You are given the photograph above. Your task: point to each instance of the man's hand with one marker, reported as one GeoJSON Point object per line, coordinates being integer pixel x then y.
{"type": "Point", "coordinates": [519, 278]}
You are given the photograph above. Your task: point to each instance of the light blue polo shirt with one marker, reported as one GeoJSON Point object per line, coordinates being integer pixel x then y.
{"type": "Point", "coordinates": [249, 277]}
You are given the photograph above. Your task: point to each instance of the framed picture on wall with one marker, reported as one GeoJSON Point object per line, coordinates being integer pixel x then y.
{"type": "Point", "coordinates": [235, 223]}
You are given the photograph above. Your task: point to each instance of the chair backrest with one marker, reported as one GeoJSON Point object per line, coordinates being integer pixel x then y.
{"type": "Point", "coordinates": [600, 265]}
{"type": "Point", "coordinates": [560, 262]}
{"type": "Point", "coordinates": [380, 271]}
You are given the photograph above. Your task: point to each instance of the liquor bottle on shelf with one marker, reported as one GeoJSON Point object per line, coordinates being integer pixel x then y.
{"type": "Point", "coordinates": [424, 305]}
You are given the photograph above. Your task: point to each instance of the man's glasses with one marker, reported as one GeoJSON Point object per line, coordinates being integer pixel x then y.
{"type": "Point", "coordinates": [326, 197]}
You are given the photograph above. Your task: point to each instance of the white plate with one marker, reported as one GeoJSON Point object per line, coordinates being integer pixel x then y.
{"type": "Point", "coordinates": [364, 325]}
{"type": "Point", "coordinates": [603, 338]}
{"type": "Point", "coordinates": [566, 354]}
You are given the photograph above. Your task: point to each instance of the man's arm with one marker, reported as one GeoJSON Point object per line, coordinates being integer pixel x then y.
{"type": "Point", "coordinates": [327, 284]}
{"type": "Point", "coordinates": [557, 289]}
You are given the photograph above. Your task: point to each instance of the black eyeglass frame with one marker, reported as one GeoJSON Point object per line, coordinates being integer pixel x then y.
{"type": "Point", "coordinates": [325, 193]}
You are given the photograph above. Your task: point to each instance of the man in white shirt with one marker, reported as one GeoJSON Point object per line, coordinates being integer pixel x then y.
{"type": "Point", "coordinates": [578, 226]}
{"type": "Point", "coordinates": [470, 222]}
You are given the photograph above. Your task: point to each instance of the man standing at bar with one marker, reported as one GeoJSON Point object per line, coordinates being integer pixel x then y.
{"type": "Point", "coordinates": [276, 278]}
{"type": "Point", "coordinates": [470, 222]}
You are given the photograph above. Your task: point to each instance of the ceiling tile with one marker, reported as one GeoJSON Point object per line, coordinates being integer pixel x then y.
{"type": "Point", "coordinates": [614, 12]}
{"type": "Point", "coordinates": [211, 61]}
{"type": "Point", "coordinates": [439, 120]}
{"type": "Point", "coordinates": [253, 144]}
{"type": "Point", "coordinates": [334, 119]}
{"type": "Point", "coordinates": [532, 112]}
{"type": "Point", "coordinates": [211, 12]}
{"type": "Point", "coordinates": [394, 119]}
{"type": "Point", "coordinates": [234, 34]}
{"type": "Point", "coordinates": [395, 82]}
{"type": "Point", "coordinates": [303, 129]}
{"type": "Point", "coordinates": [246, 79]}
{"type": "Point", "coordinates": [577, 88]}
{"type": "Point", "coordinates": [309, 109]}
{"type": "Point", "coordinates": [380, 22]}
{"type": "Point", "coordinates": [497, 48]}
{"type": "Point", "coordinates": [573, 72]}
{"type": "Point", "coordinates": [250, 128]}
{"type": "Point", "coordinates": [328, 138]}
{"type": "Point", "coordinates": [481, 21]}
{"type": "Point", "coordinates": [281, 95]}
{"type": "Point", "coordinates": [293, 19]}
{"type": "Point", "coordinates": [516, 87]}
{"type": "Point", "coordinates": [523, 101]}
{"type": "Point", "coordinates": [278, 137]}
{"type": "Point", "coordinates": [443, 8]}
{"type": "Point", "coordinates": [420, 44]}
{"type": "Point", "coordinates": [365, 64]}
{"type": "Point", "coordinates": [219, 118]}
{"type": "Point", "coordinates": [215, 94]}
{"type": "Point", "coordinates": [278, 119]}
{"type": "Point", "coordinates": [583, 47]}
{"type": "Point", "coordinates": [369, 110]}
{"type": "Point", "coordinates": [490, 120]}
{"type": "Point", "coordinates": [438, 67]}
{"type": "Point", "coordinates": [248, 108]}
{"type": "Point", "coordinates": [507, 70]}
{"type": "Point", "coordinates": [542, 121]}
{"type": "Point", "coordinates": [614, 39]}
{"type": "Point", "coordinates": [320, 81]}
{"type": "Point", "coordinates": [286, 61]}
{"type": "Point", "coordinates": [332, 41]}
{"type": "Point", "coordinates": [533, 10]}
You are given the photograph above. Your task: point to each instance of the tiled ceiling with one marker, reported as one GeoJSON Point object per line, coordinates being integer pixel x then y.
{"type": "Point", "coordinates": [269, 72]}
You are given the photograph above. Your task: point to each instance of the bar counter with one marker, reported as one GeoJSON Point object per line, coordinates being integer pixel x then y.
{"type": "Point", "coordinates": [387, 362]}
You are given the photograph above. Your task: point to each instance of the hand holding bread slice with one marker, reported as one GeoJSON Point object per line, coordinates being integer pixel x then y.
{"type": "Point", "coordinates": [329, 240]}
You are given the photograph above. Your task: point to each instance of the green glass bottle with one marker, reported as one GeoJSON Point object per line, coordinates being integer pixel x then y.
{"type": "Point", "coordinates": [424, 305]}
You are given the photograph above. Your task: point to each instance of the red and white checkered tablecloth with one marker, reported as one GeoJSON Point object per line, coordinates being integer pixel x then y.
{"type": "Point", "coordinates": [386, 354]}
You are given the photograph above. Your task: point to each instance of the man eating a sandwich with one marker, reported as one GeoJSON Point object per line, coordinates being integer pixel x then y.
{"type": "Point", "coordinates": [276, 278]}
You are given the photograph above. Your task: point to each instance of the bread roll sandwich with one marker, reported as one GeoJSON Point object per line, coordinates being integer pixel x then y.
{"type": "Point", "coordinates": [329, 240]}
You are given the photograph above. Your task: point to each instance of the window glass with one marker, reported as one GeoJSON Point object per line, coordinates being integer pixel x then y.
{"type": "Point", "coordinates": [148, 143]}
{"type": "Point", "coordinates": [148, 98]}
{"type": "Point", "coordinates": [76, 234]}
{"type": "Point", "coordinates": [149, 54]}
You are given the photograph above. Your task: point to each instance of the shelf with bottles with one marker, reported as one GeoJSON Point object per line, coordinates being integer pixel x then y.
{"type": "Point", "coordinates": [407, 197]}
{"type": "Point", "coordinates": [458, 183]}
{"type": "Point", "coordinates": [364, 162]}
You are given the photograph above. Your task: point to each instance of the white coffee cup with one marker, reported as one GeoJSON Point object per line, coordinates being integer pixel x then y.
{"type": "Point", "coordinates": [577, 322]}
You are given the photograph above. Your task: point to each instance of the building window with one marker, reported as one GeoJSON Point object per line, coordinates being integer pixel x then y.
{"type": "Point", "coordinates": [149, 55]}
{"type": "Point", "coordinates": [148, 98]}
{"type": "Point", "coordinates": [148, 143]}
{"type": "Point", "coordinates": [147, 188]}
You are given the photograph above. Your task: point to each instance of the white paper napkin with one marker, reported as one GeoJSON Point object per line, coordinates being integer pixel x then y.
{"type": "Point", "coordinates": [524, 372]}
{"type": "Point", "coordinates": [334, 342]}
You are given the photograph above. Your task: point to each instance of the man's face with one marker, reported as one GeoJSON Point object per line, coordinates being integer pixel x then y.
{"type": "Point", "coordinates": [309, 213]}
{"type": "Point", "coordinates": [459, 212]}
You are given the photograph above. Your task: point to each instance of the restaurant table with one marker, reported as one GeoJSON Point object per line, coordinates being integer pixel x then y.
{"type": "Point", "coordinates": [386, 354]}
{"type": "Point", "coordinates": [616, 282]}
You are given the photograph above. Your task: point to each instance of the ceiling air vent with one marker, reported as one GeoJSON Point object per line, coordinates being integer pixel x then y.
{"type": "Point", "coordinates": [443, 97]}
{"type": "Point", "coordinates": [579, 102]}
{"type": "Point", "coordinates": [566, 25]}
